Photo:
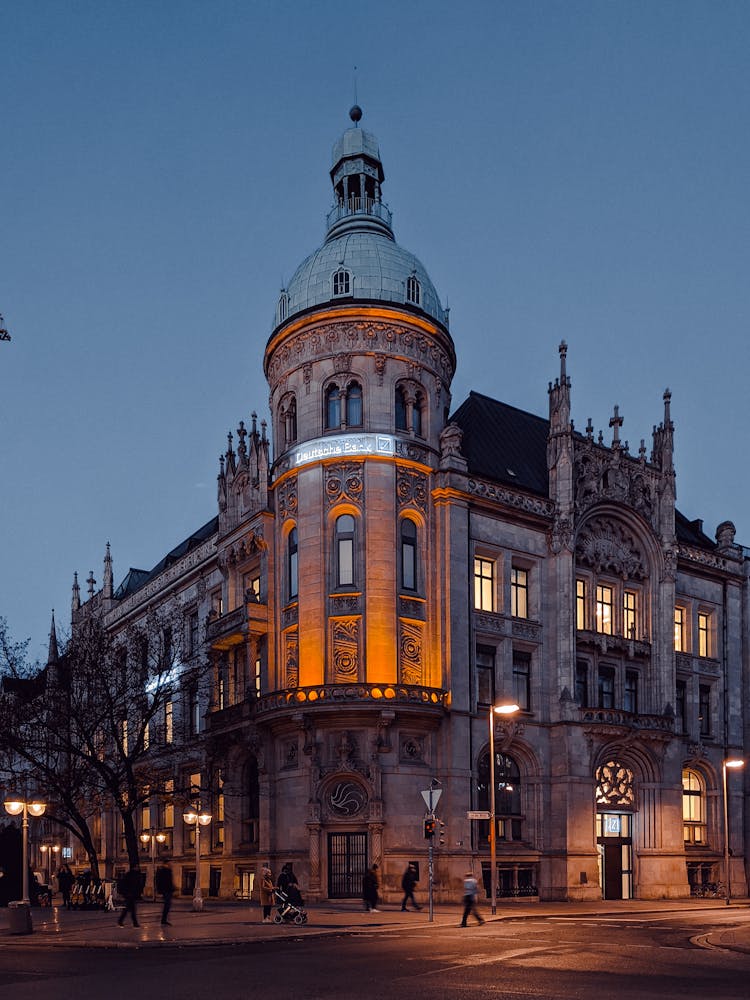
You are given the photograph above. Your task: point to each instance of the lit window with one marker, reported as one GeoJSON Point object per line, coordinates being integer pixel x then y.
{"type": "Point", "coordinates": [217, 603]}
{"type": "Point", "coordinates": [522, 679]}
{"type": "Point", "coordinates": [168, 803]}
{"type": "Point", "coordinates": [484, 584]}
{"type": "Point", "coordinates": [221, 693]}
{"type": "Point", "coordinates": [679, 630]}
{"type": "Point", "coordinates": [604, 609]}
{"type": "Point", "coordinates": [408, 554]}
{"type": "Point", "coordinates": [693, 808]}
{"type": "Point", "coordinates": [703, 635]}
{"type": "Point", "coordinates": [251, 587]}
{"type": "Point", "coordinates": [413, 290]}
{"type": "Point", "coordinates": [519, 592]}
{"type": "Point", "coordinates": [292, 558]}
{"type": "Point", "coordinates": [345, 551]}
{"type": "Point", "coordinates": [341, 282]}
{"type": "Point", "coordinates": [256, 677]}
{"type": "Point", "coordinates": [354, 405]}
{"type": "Point", "coordinates": [628, 615]}
{"type": "Point", "coordinates": [581, 596]}
{"type": "Point", "coordinates": [124, 732]}
{"type": "Point", "coordinates": [333, 408]}
{"type": "Point", "coordinates": [288, 414]}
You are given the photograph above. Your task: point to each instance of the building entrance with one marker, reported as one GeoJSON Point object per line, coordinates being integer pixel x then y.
{"type": "Point", "coordinates": [615, 846]}
{"type": "Point", "coordinates": [347, 864]}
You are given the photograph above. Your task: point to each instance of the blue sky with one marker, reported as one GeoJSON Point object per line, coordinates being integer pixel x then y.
{"type": "Point", "coordinates": [564, 170]}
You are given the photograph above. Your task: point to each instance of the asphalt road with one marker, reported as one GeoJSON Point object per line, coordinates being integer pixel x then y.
{"type": "Point", "coordinates": [639, 957]}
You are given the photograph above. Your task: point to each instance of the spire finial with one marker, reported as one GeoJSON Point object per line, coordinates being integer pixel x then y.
{"type": "Point", "coordinates": [616, 421]}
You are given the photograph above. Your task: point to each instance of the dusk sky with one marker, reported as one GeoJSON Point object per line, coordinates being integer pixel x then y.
{"type": "Point", "coordinates": [564, 170]}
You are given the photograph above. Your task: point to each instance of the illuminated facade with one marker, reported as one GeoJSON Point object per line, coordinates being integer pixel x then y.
{"type": "Point", "coordinates": [370, 590]}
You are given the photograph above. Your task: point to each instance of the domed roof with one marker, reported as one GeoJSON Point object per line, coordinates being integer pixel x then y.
{"type": "Point", "coordinates": [360, 259]}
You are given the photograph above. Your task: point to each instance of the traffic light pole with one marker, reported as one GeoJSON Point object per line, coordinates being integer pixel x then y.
{"type": "Point", "coordinates": [430, 871]}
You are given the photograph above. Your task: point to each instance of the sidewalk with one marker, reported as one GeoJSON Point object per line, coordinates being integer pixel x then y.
{"type": "Point", "coordinates": [223, 922]}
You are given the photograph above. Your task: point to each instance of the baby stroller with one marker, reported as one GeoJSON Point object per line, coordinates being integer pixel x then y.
{"type": "Point", "coordinates": [289, 908]}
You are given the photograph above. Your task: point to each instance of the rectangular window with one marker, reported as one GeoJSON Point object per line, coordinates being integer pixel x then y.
{"type": "Point", "coordinates": [522, 679]}
{"type": "Point", "coordinates": [704, 709]}
{"type": "Point", "coordinates": [346, 562]}
{"type": "Point", "coordinates": [680, 706]}
{"type": "Point", "coordinates": [251, 587]}
{"type": "Point", "coordinates": [679, 630]}
{"type": "Point", "coordinates": [217, 603]}
{"type": "Point", "coordinates": [606, 687]}
{"type": "Point", "coordinates": [194, 783]}
{"type": "Point", "coordinates": [519, 592]}
{"type": "Point", "coordinates": [631, 692]}
{"type": "Point", "coordinates": [582, 684]}
{"type": "Point", "coordinates": [484, 584]}
{"type": "Point", "coordinates": [628, 615]}
{"type": "Point", "coordinates": [193, 633]}
{"type": "Point", "coordinates": [703, 646]}
{"type": "Point", "coordinates": [604, 609]}
{"type": "Point", "coordinates": [485, 676]}
{"type": "Point", "coordinates": [256, 677]}
{"type": "Point", "coordinates": [145, 816]}
{"type": "Point", "coordinates": [169, 722]}
{"type": "Point", "coordinates": [169, 803]}
{"type": "Point", "coordinates": [581, 597]}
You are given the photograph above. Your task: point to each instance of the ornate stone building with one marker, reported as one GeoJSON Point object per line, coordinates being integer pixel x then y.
{"type": "Point", "coordinates": [369, 590]}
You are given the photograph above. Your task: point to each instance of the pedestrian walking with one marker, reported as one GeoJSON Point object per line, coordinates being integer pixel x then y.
{"type": "Point", "coordinates": [65, 880]}
{"type": "Point", "coordinates": [130, 887]}
{"type": "Point", "coordinates": [371, 889]}
{"type": "Point", "coordinates": [471, 889]}
{"type": "Point", "coordinates": [408, 882]}
{"type": "Point", "coordinates": [266, 893]}
{"type": "Point", "coordinates": [164, 885]}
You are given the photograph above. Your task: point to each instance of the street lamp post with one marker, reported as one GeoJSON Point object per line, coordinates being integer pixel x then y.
{"type": "Point", "coordinates": [730, 762]}
{"type": "Point", "coordinates": [509, 709]}
{"type": "Point", "coordinates": [19, 807]}
{"type": "Point", "coordinates": [195, 817]}
{"type": "Point", "coordinates": [153, 838]}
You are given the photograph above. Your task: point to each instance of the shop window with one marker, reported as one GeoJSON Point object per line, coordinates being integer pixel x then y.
{"type": "Point", "coordinates": [508, 815]}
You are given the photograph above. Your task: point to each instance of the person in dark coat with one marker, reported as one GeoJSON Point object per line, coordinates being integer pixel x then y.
{"type": "Point", "coordinates": [408, 882]}
{"type": "Point", "coordinates": [370, 887]}
{"type": "Point", "coordinates": [129, 887]}
{"type": "Point", "coordinates": [288, 884]}
{"type": "Point", "coordinates": [164, 885]}
{"type": "Point", "coordinates": [65, 880]}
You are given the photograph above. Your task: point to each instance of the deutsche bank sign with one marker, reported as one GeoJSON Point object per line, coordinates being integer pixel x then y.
{"type": "Point", "coordinates": [343, 446]}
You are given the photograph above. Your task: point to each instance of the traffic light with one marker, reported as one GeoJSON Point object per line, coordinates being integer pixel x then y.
{"type": "Point", "coordinates": [429, 827]}
{"type": "Point", "coordinates": [441, 832]}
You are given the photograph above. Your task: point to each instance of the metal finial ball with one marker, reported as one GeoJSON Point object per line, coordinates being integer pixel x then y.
{"type": "Point", "coordinates": [355, 113]}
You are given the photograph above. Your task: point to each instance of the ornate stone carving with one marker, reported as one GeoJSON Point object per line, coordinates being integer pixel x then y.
{"type": "Point", "coordinates": [412, 608]}
{"type": "Point", "coordinates": [527, 630]}
{"type": "Point", "coordinates": [510, 498]}
{"type": "Point", "coordinates": [342, 363]}
{"type": "Point", "coordinates": [488, 621]}
{"type": "Point", "coordinates": [291, 659]}
{"type": "Point", "coordinates": [411, 749]}
{"type": "Point", "coordinates": [604, 474]}
{"type": "Point", "coordinates": [286, 498]}
{"type": "Point", "coordinates": [608, 547]}
{"type": "Point", "coordinates": [307, 376]}
{"type": "Point", "coordinates": [345, 798]}
{"type": "Point", "coordinates": [411, 489]}
{"type": "Point", "coordinates": [380, 361]}
{"type": "Point", "coordinates": [290, 759]}
{"type": "Point", "coordinates": [345, 481]}
{"type": "Point", "coordinates": [345, 649]}
{"type": "Point", "coordinates": [410, 649]}
{"type": "Point", "coordinates": [289, 616]}
{"type": "Point", "coordinates": [351, 604]}
{"type": "Point", "coordinates": [614, 785]}
{"type": "Point", "coordinates": [561, 536]}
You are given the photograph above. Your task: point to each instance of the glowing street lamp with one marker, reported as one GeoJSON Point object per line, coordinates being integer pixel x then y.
{"type": "Point", "coordinates": [506, 710]}
{"type": "Point", "coordinates": [730, 762]}
{"type": "Point", "coordinates": [194, 817]}
{"type": "Point", "coordinates": [154, 839]}
{"type": "Point", "coordinates": [19, 807]}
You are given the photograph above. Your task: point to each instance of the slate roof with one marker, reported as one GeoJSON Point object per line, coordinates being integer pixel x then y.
{"type": "Point", "coordinates": [137, 578]}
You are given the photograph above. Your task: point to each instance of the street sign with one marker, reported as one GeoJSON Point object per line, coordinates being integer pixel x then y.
{"type": "Point", "coordinates": [431, 797]}
{"type": "Point", "coordinates": [477, 814]}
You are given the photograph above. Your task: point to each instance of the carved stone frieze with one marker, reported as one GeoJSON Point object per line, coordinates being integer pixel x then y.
{"type": "Point", "coordinates": [411, 489]}
{"type": "Point", "coordinates": [560, 538]}
{"type": "Point", "coordinates": [351, 604]}
{"type": "Point", "coordinates": [345, 481]}
{"type": "Point", "coordinates": [511, 498]}
{"type": "Point", "coordinates": [411, 748]}
{"type": "Point", "coordinates": [411, 608]}
{"type": "Point", "coordinates": [410, 652]}
{"type": "Point", "coordinates": [345, 652]}
{"type": "Point", "coordinates": [704, 558]}
{"type": "Point", "coordinates": [609, 547]}
{"type": "Point", "coordinates": [289, 616]}
{"type": "Point", "coordinates": [410, 450]}
{"type": "Point", "coordinates": [291, 658]}
{"type": "Point", "coordinates": [611, 474]}
{"type": "Point", "coordinates": [286, 498]}
{"type": "Point", "coordinates": [526, 630]}
{"type": "Point", "coordinates": [487, 621]}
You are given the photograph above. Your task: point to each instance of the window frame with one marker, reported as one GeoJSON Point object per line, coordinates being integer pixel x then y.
{"type": "Point", "coordinates": [694, 826]}
{"type": "Point", "coordinates": [482, 581]}
{"type": "Point", "coordinates": [345, 551]}
{"type": "Point", "coordinates": [604, 606]}
{"type": "Point", "coordinates": [521, 669]}
{"type": "Point", "coordinates": [519, 591]}
{"type": "Point", "coordinates": [409, 543]}
{"type": "Point", "coordinates": [341, 282]}
{"type": "Point", "coordinates": [680, 633]}
{"type": "Point", "coordinates": [606, 672]}
{"type": "Point", "coordinates": [703, 626]}
{"type": "Point", "coordinates": [292, 564]}
{"type": "Point", "coordinates": [332, 407]}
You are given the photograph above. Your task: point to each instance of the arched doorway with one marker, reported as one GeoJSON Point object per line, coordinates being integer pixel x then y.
{"type": "Point", "coordinates": [615, 804]}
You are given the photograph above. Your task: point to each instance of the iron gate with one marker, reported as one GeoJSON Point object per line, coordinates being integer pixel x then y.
{"type": "Point", "coordinates": [347, 863]}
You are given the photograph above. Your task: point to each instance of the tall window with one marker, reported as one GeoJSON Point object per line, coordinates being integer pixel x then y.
{"type": "Point", "coordinates": [703, 645]}
{"type": "Point", "coordinates": [333, 407]}
{"type": "Point", "coordinates": [581, 597]}
{"type": "Point", "coordinates": [606, 687]}
{"type": "Point", "coordinates": [169, 721]}
{"type": "Point", "coordinates": [631, 691]}
{"type": "Point", "coordinates": [680, 707]}
{"type": "Point", "coordinates": [704, 709]}
{"type": "Point", "coordinates": [508, 813]}
{"type": "Point", "coordinates": [408, 554]}
{"type": "Point", "coordinates": [484, 584]}
{"type": "Point", "coordinates": [354, 405]}
{"type": "Point", "coordinates": [195, 711]}
{"type": "Point", "coordinates": [341, 282]}
{"type": "Point", "coordinates": [169, 803]}
{"type": "Point", "coordinates": [628, 614]}
{"type": "Point", "coordinates": [582, 683]}
{"type": "Point", "coordinates": [679, 630]}
{"type": "Point", "coordinates": [292, 563]}
{"type": "Point", "coordinates": [219, 817]}
{"type": "Point", "coordinates": [416, 414]}
{"type": "Point", "coordinates": [519, 592]}
{"type": "Point", "coordinates": [345, 551]}
{"type": "Point", "coordinates": [289, 420]}
{"type": "Point", "coordinates": [193, 623]}
{"type": "Point", "coordinates": [693, 808]}
{"type": "Point", "coordinates": [283, 306]}
{"type": "Point", "coordinates": [522, 679]}
{"type": "Point", "coordinates": [604, 609]}
{"type": "Point", "coordinates": [485, 676]}
{"type": "Point", "coordinates": [413, 290]}
{"type": "Point", "coordinates": [256, 677]}
{"type": "Point", "coordinates": [400, 409]}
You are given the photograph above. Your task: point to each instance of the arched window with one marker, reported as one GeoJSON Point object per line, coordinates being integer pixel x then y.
{"type": "Point", "coordinates": [408, 554]}
{"type": "Point", "coordinates": [354, 405]}
{"type": "Point", "coordinates": [507, 795]}
{"type": "Point", "coordinates": [283, 306]}
{"type": "Point", "coordinates": [342, 282]}
{"type": "Point", "coordinates": [416, 414]}
{"type": "Point", "coordinates": [292, 563]}
{"type": "Point", "coordinates": [693, 807]}
{"type": "Point", "coordinates": [400, 409]}
{"type": "Point", "coordinates": [333, 408]}
{"type": "Point", "coordinates": [345, 551]}
{"type": "Point", "coordinates": [413, 290]}
{"type": "Point", "coordinates": [289, 420]}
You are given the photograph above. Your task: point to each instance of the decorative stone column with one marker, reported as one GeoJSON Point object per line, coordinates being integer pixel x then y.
{"type": "Point", "coordinates": [314, 857]}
